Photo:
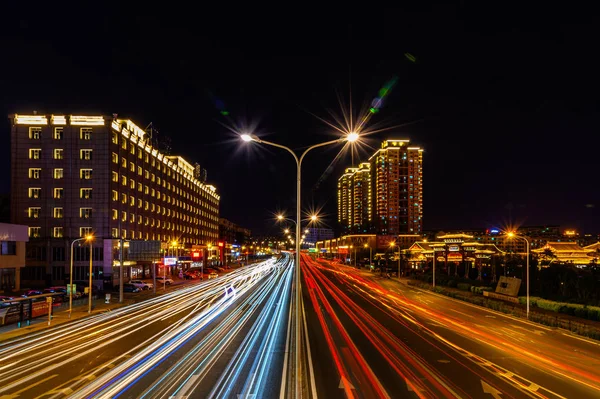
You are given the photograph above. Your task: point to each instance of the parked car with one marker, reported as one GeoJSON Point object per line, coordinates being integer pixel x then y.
{"type": "Point", "coordinates": [142, 285]}
{"type": "Point", "coordinates": [213, 275]}
{"type": "Point", "coordinates": [167, 281]}
{"type": "Point", "coordinates": [7, 301]}
{"type": "Point", "coordinates": [128, 287]}
{"type": "Point", "coordinates": [31, 293]}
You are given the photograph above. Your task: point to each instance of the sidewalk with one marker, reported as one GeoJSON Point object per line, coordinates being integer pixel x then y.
{"type": "Point", "coordinates": [80, 310]}
{"type": "Point", "coordinates": [61, 316]}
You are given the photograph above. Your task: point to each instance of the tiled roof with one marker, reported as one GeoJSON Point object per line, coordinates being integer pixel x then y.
{"type": "Point", "coordinates": [564, 246]}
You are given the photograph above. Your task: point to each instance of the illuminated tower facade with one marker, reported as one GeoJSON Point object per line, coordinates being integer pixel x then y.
{"type": "Point", "coordinates": [345, 203]}
{"type": "Point", "coordinates": [361, 199]}
{"type": "Point", "coordinates": [397, 183]}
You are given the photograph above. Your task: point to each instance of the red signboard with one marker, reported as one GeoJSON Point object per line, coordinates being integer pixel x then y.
{"type": "Point", "coordinates": [39, 309]}
{"type": "Point", "coordinates": [196, 254]}
{"type": "Point", "coordinates": [220, 244]}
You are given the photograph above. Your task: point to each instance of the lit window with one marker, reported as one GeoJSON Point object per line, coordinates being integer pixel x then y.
{"type": "Point", "coordinates": [146, 174]}
{"type": "Point", "coordinates": [85, 154]}
{"type": "Point", "coordinates": [123, 162]}
{"type": "Point", "coordinates": [59, 173]}
{"type": "Point", "coordinates": [124, 144]}
{"type": "Point", "coordinates": [132, 217]}
{"type": "Point", "coordinates": [115, 177]}
{"type": "Point", "coordinates": [34, 232]}
{"type": "Point", "coordinates": [35, 192]}
{"type": "Point", "coordinates": [123, 198]}
{"type": "Point", "coordinates": [146, 190]}
{"type": "Point", "coordinates": [58, 153]}
{"type": "Point", "coordinates": [34, 173]}
{"type": "Point", "coordinates": [57, 232]}
{"type": "Point", "coordinates": [139, 153]}
{"type": "Point", "coordinates": [85, 231]}
{"type": "Point", "coordinates": [34, 212]}
{"type": "Point", "coordinates": [85, 193]}
{"type": "Point", "coordinates": [132, 149]}
{"type": "Point", "coordinates": [123, 233]}
{"type": "Point", "coordinates": [115, 232]}
{"type": "Point", "coordinates": [85, 174]}
{"type": "Point", "coordinates": [139, 203]}
{"type": "Point", "coordinates": [35, 153]}
{"type": "Point", "coordinates": [35, 133]}
{"type": "Point", "coordinates": [58, 213]}
{"type": "Point", "coordinates": [85, 213]}
{"type": "Point", "coordinates": [139, 169]}
{"type": "Point", "coordinates": [132, 166]}
{"type": "Point", "coordinates": [58, 193]}
{"type": "Point", "coordinates": [124, 180]}
{"type": "Point", "coordinates": [132, 184]}
{"type": "Point", "coordinates": [115, 195]}
{"type": "Point", "coordinates": [131, 201]}
{"type": "Point", "coordinates": [115, 158]}
{"type": "Point", "coordinates": [58, 133]}
{"type": "Point", "coordinates": [85, 133]}
{"type": "Point", "coordinates": [115, 214]}
{"type": "Point", "coordinates": [124, 216]}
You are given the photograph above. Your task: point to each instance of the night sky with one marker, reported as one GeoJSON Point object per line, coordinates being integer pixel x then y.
{"type": "Point", "coordinates": [504, 100]}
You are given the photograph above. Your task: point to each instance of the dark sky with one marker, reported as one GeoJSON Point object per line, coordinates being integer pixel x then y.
{"type": "Point", "coordinates": [505, 99]}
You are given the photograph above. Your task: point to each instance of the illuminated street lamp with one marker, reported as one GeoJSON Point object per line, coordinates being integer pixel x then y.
{"type": "Point", "coordinates": [90, 238]}
{"type": "Point", "coordinates": [350, 137]}
{"type": "Point", "coordinates": [87, 238]}
{"type": "Point", "coordinates": [511, 234]}
{"type": "Point", "coordinates": [370, 254]}
{"type": "Point", "coordinates": [392, 244]}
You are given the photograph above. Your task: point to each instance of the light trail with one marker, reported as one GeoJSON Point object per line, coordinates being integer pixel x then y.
{"type": "Point", "coordinates": [409, 312]}
{"type": "Point", "coordinates": [180, 315]}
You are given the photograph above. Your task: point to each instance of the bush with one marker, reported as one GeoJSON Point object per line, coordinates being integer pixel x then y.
{"type": "Point", "coordinates": [463, 286]}
{"type": "Point", "coordinates": [452, 283]}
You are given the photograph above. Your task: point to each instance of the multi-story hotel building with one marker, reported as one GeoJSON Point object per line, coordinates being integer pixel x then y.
{"type": "Point", "coordinates": [385, 195]}
{"type": "Point", "coordinates": [74, 176]}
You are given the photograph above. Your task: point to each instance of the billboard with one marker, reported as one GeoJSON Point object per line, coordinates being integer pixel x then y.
{"type": "Point", "coordinates": [508, 286]}
{"type": "Point", "coordinates": [169, 261]}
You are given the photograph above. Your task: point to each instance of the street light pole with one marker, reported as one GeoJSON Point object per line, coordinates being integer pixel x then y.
{"type": "Point", "coordinates": [434, 256]}
{"type": "Point", "coordinates": [350, 137]}
{"type": "Point", "coordinates": [90, 287]}
{"type": "Point", "coordinates": [527, 246]}
{"type": "Point", "coordinates": [71, 276]}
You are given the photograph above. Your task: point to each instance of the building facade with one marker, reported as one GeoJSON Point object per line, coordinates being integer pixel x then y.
{"type": "Point", "coordinates": [314, 234]}
{"type": "Point", "coordinates": [12, 256]}
{"type": "Point", "coordinates": [74, 176]}
{"type": "Point", "coordinates": [384, 195]}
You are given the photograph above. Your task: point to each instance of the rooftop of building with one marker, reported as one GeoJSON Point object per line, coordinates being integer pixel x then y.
{"type": "Point", "coordinates": [128, 129]}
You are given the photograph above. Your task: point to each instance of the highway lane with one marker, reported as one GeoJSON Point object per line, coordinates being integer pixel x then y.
{"type": "Point", "coordinates": [554, 360]}
{"type": "Point", "coordinates": [119, 351]}
{"type": "Point", "coordinates": [442, 354]}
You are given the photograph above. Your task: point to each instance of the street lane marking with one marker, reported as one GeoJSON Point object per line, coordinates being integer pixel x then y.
{"type": "Point", "coordinates": [487, 388]}
{"type": "Point", "coordinates": [443, 361]}
{"type": "Point", "coordinates": [464, 314]}
{"type": "Point", "coordinates": [20, 391]}
{"type": "Point", "coordinates": [344, 382]}
{"type": "Point", "coordinates": [188, 384]}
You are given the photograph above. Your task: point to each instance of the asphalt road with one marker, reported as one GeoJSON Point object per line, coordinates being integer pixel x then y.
{"type": "Point", "coordinates": [219, 338]}
{"type": "Point", "coordinates": [374, 337]}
